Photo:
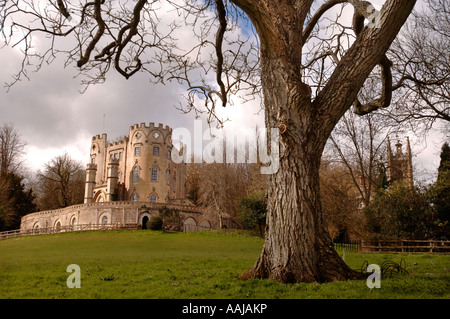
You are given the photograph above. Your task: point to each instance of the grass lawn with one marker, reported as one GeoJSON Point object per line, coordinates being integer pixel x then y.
{"type": "Point", "coordinates": [151, 264]}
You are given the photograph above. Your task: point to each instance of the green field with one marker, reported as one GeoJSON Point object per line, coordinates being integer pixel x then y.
{"type": "Point", "coordinates": [151, 264]}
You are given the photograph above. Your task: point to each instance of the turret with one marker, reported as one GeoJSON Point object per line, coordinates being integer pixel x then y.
{"type": "Point", "coordinates": [113, 169]}
{"type": "Point", "coordinates": [91, 171]}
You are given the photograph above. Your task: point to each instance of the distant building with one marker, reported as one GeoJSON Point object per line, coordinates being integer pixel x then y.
{"type": "Point", "coordinates": [399, 168]}
{"type": "Point", "coordinates": [128, 182]}
{"type": "Point", "coordinates": [136, 168]}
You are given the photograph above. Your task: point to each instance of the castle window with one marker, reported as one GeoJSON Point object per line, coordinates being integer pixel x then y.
{"type": "Point", "coordinates": [154, 174]}
{"type": "Point", "coordinates": [119, 176]}
{"type": "Point", "coordinates": [169, 154]}
{"type": "Point", "coordinates": [168, 177]}
{"type": "Point", "coordinates": [153, 198]}
{"type": "Point", "coordinates": [134, 197]}
{"type": "Point", "coordinates": [104, 220]}
{"type": "Point", "coordinates": [137, 151]}
{"type": "Point", "coordinates": [135, 174]}
{"type": "Point", "coordinates": [120, 156]}
{"type": "Point", "coordinates": [155, 151]}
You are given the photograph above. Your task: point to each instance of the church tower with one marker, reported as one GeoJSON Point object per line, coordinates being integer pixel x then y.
{"type": "Point", "coordinates": [399, 168]}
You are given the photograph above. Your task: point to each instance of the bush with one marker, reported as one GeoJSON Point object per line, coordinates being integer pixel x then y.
{"type": "Point", "coordinates": [155, 223]}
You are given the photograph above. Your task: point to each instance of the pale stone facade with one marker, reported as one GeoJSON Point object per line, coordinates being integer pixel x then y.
{"type": "Point", "coordinates": [138, 167]}
{"type": "Point", "coordinates": [127, 182]}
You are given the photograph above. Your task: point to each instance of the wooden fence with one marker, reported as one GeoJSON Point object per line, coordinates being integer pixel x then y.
{"type": "Point", "coordinates": [406, 246]}
{"type": "Point", "coordinates": [65, 229]}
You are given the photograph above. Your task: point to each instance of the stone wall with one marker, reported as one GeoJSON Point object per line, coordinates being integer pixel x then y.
{"type": "Point", "coordinates": [116, 213]}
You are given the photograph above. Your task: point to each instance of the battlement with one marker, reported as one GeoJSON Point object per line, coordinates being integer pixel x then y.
{"type": "Point", "coordinates": [118, 143]}
{"type": "Point", "coordinates": [97, 137]}
{"type": "Point", "coordinates": [150, 126]}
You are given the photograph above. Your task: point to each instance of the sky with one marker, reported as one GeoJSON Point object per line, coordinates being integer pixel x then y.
{"type": "Point", "coordinates": [52, 116]}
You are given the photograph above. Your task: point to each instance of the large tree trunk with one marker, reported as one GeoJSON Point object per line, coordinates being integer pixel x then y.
{"type": "Point", "coordinates": [298, 247]}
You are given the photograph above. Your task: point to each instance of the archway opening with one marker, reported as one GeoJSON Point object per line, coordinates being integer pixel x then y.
{"type": "Point", "coordinates": [144, 222]}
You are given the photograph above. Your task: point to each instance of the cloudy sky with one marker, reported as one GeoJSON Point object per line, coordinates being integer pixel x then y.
{"type": "Point", "coordinates": [52, 116]}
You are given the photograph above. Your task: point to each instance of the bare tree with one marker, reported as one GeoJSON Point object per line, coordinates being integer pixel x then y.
{"type": "Point", "coordinates": [422, 69]}
{"type": "Point", "coordinates": [359, 144]}
{"type": "Point", "coordinates": [11, 149]}
{"type": "Point", "coordinates": [339, 201]}
{"type": "Point", "coordinates": [132, 37]}
{"type": "Point", "coordinates": [61, 183]}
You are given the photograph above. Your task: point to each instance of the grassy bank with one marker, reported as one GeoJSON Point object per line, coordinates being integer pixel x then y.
{"type": "Point", "coordinates": [150, 264]}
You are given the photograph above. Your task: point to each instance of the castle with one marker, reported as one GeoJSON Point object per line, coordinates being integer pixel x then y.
{"type": "Point", "coordinates": [127, 182]}
{"type": "Point", "coordinates": [136, 168]}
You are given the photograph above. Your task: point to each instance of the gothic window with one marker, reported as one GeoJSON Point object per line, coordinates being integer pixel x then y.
{"type": "Point", "coordinates": [154, 174]}
{"type": "Point", "coordinates": [155, 151]}
{"type": "Point", "coordinates": [136, 174]}
{"type": "Point", "coordinates": [153, 198]}
{"type": "Point", "coordinates": [169, 154]}
{"type": "Point", "coordinates": [104, 220]}
{"type": "Point", "coordinates": [137, 151]}
{"type": "Point", "coordinates": [168, 177]}
{"type": "Point", "coordinates": [134, 197]}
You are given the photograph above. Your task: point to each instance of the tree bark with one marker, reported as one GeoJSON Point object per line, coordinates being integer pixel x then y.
{"type": "Point", "coordinates": [298, 247]}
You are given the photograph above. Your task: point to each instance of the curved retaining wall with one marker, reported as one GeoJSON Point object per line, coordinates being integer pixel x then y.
{"type": "Point", "coordinates": [114, 213]}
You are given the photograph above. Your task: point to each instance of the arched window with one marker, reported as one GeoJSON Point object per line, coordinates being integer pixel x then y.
{"type": "Point", "coordinates": [154, 174]}
{"type": "Point", "coordinates": [134, 197]}
{"type": "Point", "coordinates": [105, 220]}
{"type": "Point", "coordinates": [74, 224]}
{"type": "Point", "coordinates": [135, 174]}
{"type": "Point", "coordinates": [153, 198]}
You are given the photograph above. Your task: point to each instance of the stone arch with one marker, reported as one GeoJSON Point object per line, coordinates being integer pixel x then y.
{"type": "Point", "coordinates": [105, 218]}
{"type": "Point", "coordinates": [36, 227]}
{"type": "Point", "coordinates": [136, 139]}
{"type": "Point", "coordinates": [204, 224]}
{"type": "Point", "coordinates": [57, 225]}
{"type": "Point", "coordinates": [144, 217]}
{"type": "Point", "coordinates": [189, 224]}
{"type": "Point", "coordinates": [74, 222]}
{"type": "Point", "coordinates": [99, 197]}
{"type": "Point", "coordinates": [153, 198]}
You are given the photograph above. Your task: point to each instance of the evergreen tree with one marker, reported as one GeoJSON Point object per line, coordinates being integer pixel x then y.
{"type": "Point", "coordinates": [439, 195]}
{"type": "Point", "coordinates": [252, 211]}
{"type": "Point", "coordinates": [15, 201]}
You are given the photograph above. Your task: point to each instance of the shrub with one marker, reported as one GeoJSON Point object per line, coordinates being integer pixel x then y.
{"type": "Point", "coordinates": [155, 223]}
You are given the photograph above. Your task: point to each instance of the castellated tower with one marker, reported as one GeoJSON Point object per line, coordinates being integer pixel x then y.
{"type": "Point", "coordinates": [399, 167]}
{"type": "Point", "coordinates": [138, 167]}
